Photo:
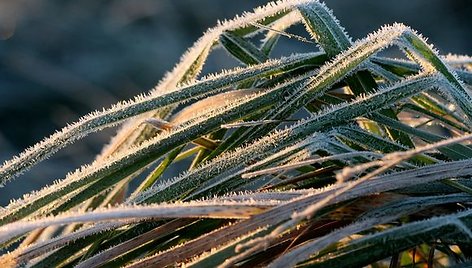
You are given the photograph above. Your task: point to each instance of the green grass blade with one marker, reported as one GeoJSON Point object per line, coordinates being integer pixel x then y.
{"type": "Point", "coordinates": [242, 49]}
{"type": "Point", "coordinates": [98, 120]}
{"type": "Point", "coordinates": [454, 151]}
{"type": "Point", "coordinates": [431, 59]}
{"type": "Point", "coordinates": [380, 245]}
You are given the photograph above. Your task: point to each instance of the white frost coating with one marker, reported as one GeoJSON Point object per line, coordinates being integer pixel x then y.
{"type": "Point", "coordinates": [196, 118]}
{"type": "Point", "coordinates": [379, 183]}
{"type": "Point", "coordinates": [313, 142]}
{"type": "Point", "coordinates": [42, 150]}
{"type": "Point", "coordinates": [298, 152]}
{"type": "Point", "coordinates": [97, 166]}
{"type": "Point", "coordinates": [342, 65]}
{"type": "Point", "coordinates": [238, 157]}
{"type": "Point", "coordinates": [454, 59]}
{"type": "Point", "coordinates": [202, 257]}
{"type": "Point", "coordinates": [376, 41]}
{"type": "Point", "coordinates": [424, 226]}
{"type": "Point", "coordinates": [366, 104]}
{"type": "Point", "coordinates": [302, 252]}
{"type": "Point", "coordinates": [268, 66]}
{"type": "Point", "coordinates": [397, 157]}
{"type": "Point", "coordinates": [326, 25]}
{"type": "Point", "coordinates": [42, 247]}
{"type": "Point", "coordinates": [342, 132]}
{"type": "Point", "coordinates": [99, 120]}
{"type": "Point", "coordinates": [308, 211]}
{"type": "Point", "coordinates": [267, 195]}
{"type": "Point", "coordinates": [381, 72]}
{"type": "Point", "coordinates": [252, 123]}
{"type": "Point", "coordinates": [207, 209]}
{"type": "Point", "coordinates": [385, 163]}
{"type": "Point", "coordinates": [214, 102]}
{"type": "Point", "coordinates": [203, 44]}
{"type": "Point", "coordinates": [430, 60]}
{"type": "Point", "coordinates": [373, 43]}
{"type": "Point", "coordinates": [278, 27]}
{"type": "Point", "coordinates": [228, 159]}
{"type": "Point", "coordinates": [87, 171]}
{"type": "Point", "coordinates": [387, 43]}
{"type": "Point", "coordinates": [211, 35]}
{"type": "Point", "coordinates": [231, 164]}
{"type": "Point", "coordinates": [308, 162]}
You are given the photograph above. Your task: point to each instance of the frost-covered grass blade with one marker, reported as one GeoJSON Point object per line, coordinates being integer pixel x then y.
{"type": "Point", "coordinates": [335, 157]}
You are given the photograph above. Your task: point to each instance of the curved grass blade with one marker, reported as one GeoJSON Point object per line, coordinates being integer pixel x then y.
{"type": "Point", "coordinates": [430, 59]}
{"type": "Point", "coordinates": [242, 49]}
{"type": "Point", "coordinates": [454, 151]}
{"type": "Point", "coordinates": [333, 116]}
{"type": "Point", "coordinates": [326, 29]}
{"type": "Point", "coordinates": [192, 62]}
{"type": "Point", "coordinates": [377, 216]}
{"type": "Point", "coordinates": [283, 212]}
{"type": "Point", "coordinates": [375, 247]}
{"type": "Point", "coordinates": [98, 120]}
{"type": "Point", "coordinates": [127, 163]}
{"type": "Point", "coordinates": [200, 209]}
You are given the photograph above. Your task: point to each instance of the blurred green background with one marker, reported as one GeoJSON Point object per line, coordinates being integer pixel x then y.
{"type": "Point", "coordinates": [60, 59]}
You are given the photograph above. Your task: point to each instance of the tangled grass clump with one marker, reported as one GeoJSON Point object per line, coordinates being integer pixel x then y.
{"type": "Point", "coordinates": [361, 180]}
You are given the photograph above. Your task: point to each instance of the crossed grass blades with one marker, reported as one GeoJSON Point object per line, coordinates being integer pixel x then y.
{"type": "Point", "coordinates": [360, 180]}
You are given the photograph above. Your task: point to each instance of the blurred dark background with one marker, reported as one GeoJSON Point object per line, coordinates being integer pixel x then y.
{"type": "Point", "coordinates": [60, 59]}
